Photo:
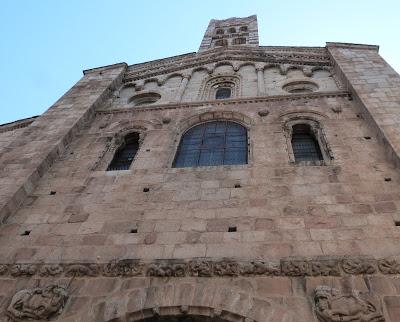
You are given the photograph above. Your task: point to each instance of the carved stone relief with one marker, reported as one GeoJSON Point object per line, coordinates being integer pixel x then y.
{"type": "Point", "coordinates": [41, 303]}
{"type": "Point", "coordinates": [207, 268]}
{"type": "Point", "coordinates": [332, 306]}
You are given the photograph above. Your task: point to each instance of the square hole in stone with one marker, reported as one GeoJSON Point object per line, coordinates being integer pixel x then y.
{"type": "Point", "coordinates": [397, 223]}
{"type": "Point", "coordinates": [232, 229]}
{"type": "Point", "coordinates": [146, 189]}
{"type": "Point", "coordinates": [237, 185]}
{"type": "Point", "coordinates": [26, 233]}
{"type": "Point", "coordinates": [367, 137]}
{"type": "Point", "coordinates": [133, 231]}
{"type": "Point", "coordinates": [52, 193]}
{"type": "Point", "coordinates": [388, 179]}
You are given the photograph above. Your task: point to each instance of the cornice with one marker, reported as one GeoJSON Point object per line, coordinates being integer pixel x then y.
{"type": "Point", "coordinates": [225, 102]}
{"type": "Point", "coordinates": [352, 46]}
{"type": "Point", "coordinates": [204, 267]}
{"type": "Point", "coordinates": [17, 124]}
{"type": "Point", "coordinates": [274, 55]}
{"type": "Point", "coordinates": [103, 68]}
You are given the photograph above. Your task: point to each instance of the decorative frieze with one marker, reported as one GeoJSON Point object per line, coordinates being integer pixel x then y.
{"type": "Point", "coordinates": [208, 268]}
{"type": "Point", "coordinates": [234, 101]}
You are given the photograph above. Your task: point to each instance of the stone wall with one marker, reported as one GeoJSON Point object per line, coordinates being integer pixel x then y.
{"type": "Point", "coordinates": [156, 241]}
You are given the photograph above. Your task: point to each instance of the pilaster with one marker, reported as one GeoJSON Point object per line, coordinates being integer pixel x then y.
{"type": "Point", "coordinates": [31, 154]}
{"type": "Point", "coordinates": [375, 87]}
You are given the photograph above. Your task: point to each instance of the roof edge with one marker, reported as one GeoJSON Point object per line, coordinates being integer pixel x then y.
{"type": "Point", "coordinates": [352, 46]}
{"type": "Point", "coordinates": [112, 66]}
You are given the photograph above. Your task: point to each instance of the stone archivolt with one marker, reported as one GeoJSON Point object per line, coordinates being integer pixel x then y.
{"type": "Point", "coordinates": [332, 306]}
{"type": "Point", "coordinates": [209, 268]}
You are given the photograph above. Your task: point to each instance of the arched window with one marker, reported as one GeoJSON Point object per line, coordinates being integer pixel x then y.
{"type": "Point", "coordinates": [232, 30]}
{"type": "Point", "coordinates": [223, 93]}
{"type": "Point", "coordinates": [239, 41]}
{"type": "Point", "coordinates": [304, 144]}
{"type": "Point", "coordinates": [144, 99]}
{"type": "Point", "coordinates": [243, 28]}
{"type": "Point", "coordinates": [220, 31]}
{"type": "Point", "coordinates": [213, 143]}
{"type": "Point", "coordinates": [126, 153]}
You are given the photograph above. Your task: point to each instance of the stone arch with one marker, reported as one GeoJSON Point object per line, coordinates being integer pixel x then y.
{"type": "Point", "coordinates": [313, 119]}
{"type": "Point", "coordinates": [323, 68]}
{"type": "Point", "coordinates": [209, 115]}
{"type": "Point", "coordinates": [152, 80]}
{"type": "Point", "coordinates": [206, 91]}
{"type": "Point", "coordinates": [215, 301]}
{"type": "Point", "coordinates": [213, 115]}
{"type": "Point", "coordinates": [174, 313]}
{"type": "Point", "coordinates": [223, 63]}
{"type": "Point", "coordinates": [114, 135]}
{"type": "Point", "coordinates": [171, 76]}
{"type": "Point", "coordinates": [248, 63]}
{"type": "Point", "coordinates": [202, 68]}
{"type": "Point", "coordinates": [293, 68]}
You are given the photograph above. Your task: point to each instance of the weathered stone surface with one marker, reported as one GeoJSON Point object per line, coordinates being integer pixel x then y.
{"type": "Point", "coordinates": [246, 242]}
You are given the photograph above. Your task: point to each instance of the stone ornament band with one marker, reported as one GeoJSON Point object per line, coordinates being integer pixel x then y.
{"type": "Point", "coordinates": [208, 268]}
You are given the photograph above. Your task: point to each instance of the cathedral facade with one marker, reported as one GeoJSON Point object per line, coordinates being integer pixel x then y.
{"type": "Point", "coordinates": [239, 183]}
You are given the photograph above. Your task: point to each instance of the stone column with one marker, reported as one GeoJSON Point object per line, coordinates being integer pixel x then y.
{"type": "Point", "coordinates": [260, 80]}
{"type": "Point", "coordinates": [30, 155]}
{"type": "Point", "coordinates": [182, 87]}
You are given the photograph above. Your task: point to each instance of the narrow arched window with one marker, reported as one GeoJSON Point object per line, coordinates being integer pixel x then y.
{"type": "Point", "coordinates": [232, 30]}
{"type": "Point", "coordinates": [211, 144]}
{"type": "Point", "coordinates": [126, 153]}
{"type": "Point", "coordinates": [243, 28]}
{"type": "Point", "coordinates": [304, 144]}
{"type": "Point", "coordinates": [223, 93]}
{"type": "Point", "coordinates": [220, 31]}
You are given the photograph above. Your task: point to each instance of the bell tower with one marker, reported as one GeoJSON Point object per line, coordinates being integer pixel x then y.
{"type": "Point", "coordinates": [231, 32]}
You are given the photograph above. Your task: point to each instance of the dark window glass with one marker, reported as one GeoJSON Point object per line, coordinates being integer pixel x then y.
{"type": "Point", "coordinates": [222, 93]}
{"type": "Point", "coordinates": [305, 146]}
{"type": "Point", "coordinates": [126, 153]}
{"type": "Point", "coordinates": [213, 143]}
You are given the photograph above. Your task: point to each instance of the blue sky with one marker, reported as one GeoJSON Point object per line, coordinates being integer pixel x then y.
{"type": "Point", "coordinates": [46, 44]}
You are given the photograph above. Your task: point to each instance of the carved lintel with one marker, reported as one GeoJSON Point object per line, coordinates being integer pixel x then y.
{"type": "Point", "coordinates": [167, 270]}
{"type": "Point", "coordinates": [79, 270]}
{"type": "Point", "coordinates": [389, 266]}
{"type": "Point", "coordinates": [23, 270]}
{"type": "Point", "coordinates": [200, 268]}
{"type": "Point", "coordinates": [50, 270]}
{"type": "Point", "coordinates": [226, 268]}
{"type": "Point", "coordinates": [123, 268]}
{"type": "Point", "coordinates": [207, 268]}
{"type": "Point", "coordinates": [357, 266]}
